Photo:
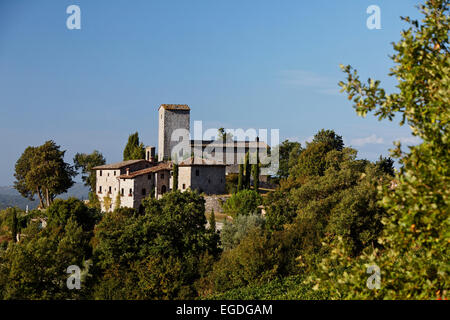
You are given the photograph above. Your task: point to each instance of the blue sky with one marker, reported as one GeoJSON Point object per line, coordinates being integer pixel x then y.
{"type": "Point", "coordinates": [238, 64]}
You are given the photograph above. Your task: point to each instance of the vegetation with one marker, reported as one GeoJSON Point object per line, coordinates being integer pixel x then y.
{"type": "Point", "coordinates": [331, 216]}
{"type": "Point", "coordinates": [134, 150]}
{"type": "Point", "coordinates": [86, 162]}
{"type": "Point", "coordinates": [42, 171]}
{"type": "Point", "coordinates": [242, 203]}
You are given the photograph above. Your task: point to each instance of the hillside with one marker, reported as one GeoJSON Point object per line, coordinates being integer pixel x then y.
{"type": "Point", "coordinates": [9, 197]}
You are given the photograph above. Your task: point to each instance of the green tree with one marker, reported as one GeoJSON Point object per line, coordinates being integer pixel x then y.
{"type": "Point", "coordinates": [415, 258]}
{"type": "Point", "coordinates": [35, 267]}
{"type": "Point", "coordinates": [289, 153]}
{"type": "Point", "coordinates": [212, 220]}
{"type": "Point", "coordinates": [86, 162]}
{"type": "Point", "coordinates": [175, 177]}
{"type": "Point", "coordinates": [247, 171]}
{"type": "Point", "coordinates": [42, 171]}
{"type": "Point", "coordinates": [242, 203]}
{"type": "Point", "coordinates": [240, 185]}
{"type": "Point", "coordinates": [134, 150]}
{"type": "Point", "coordinates": [330, 138]}
{"type": "Point", "coordinates": [61, 211]}
{"type": "Point", "coordinates": [155, 255]}
{"type": "Point", "coordinates": [255, 173]}
{"type": "Point", "coordinates": [233, 232]}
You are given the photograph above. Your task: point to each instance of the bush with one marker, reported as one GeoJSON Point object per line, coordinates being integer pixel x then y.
{"type": "Point", "coordinates": [244, 202]}
{"type": "Point", "coordinates": [233, 232]}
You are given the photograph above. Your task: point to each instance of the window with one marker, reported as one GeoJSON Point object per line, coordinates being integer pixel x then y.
{"type": "Point", "coordinates": [131, 192]}
{"type": "Point", "coordinates": [108, 174]}
{"type": "Point", "coordinates": [197, 172]}
{"type": "Point", "coordinates": [122, 192]}
{"type": "Point", "coordinates": [100, 189]}
{"type": "Point", "coordinates": [184, 186]}
{"type": "Point", "coordinates": [109, 190]}
{"type": "Point", "coordinates": [144, 192]}
{"type": "Point", "coordinates": [100, 173]}
{"type": "Point", "coordinates": [114, 172]}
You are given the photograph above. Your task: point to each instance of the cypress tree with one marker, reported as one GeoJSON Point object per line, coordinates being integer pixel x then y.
{"type": "Point", "coordinates": [255, 172]}
{"type": "Point", "coordinates": [212, 220]}
{"type": "Point", "coordinates": [240, 177]}
{"type": "Point", "coordinates": [14, 225]}
{"type": "Point", "coordinates": [247, 169]}
{"type": "Point", "coordinates": [175, 177]}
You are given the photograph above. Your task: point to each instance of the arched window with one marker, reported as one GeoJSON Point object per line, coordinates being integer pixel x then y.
{"type": "Point", "coordinates": [163, 189]}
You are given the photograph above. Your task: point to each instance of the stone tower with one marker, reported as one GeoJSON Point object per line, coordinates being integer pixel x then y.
{"type": "Point", "coordinates": [170, 118]}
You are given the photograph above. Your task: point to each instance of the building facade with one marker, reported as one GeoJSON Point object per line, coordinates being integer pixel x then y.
{"type": "Point", "coordinates": [203, 168]}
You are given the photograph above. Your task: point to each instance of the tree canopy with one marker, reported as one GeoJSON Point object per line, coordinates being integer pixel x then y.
{"type": "Point", "coordinates": [42, 171]}
{"type": "Point", "coordinates": [134, 150]}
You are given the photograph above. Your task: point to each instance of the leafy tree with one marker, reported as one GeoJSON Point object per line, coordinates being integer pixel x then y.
{"type": "Point", "coordinates": [14, 225]}
{"type": "Point", "coordinates": [415, 258]}
{"type": "Point", "coordinates": [233, 232]}
{"type": "Point", "coordinates": [386, 165]}
{"type": "Point", "coordinates": [161, 250]}
{"type": "Point", "coordinates": [61, 211]}
{"type": "Point", "coordinates": [329, 138]}
{"type": "Point", "coordinates": [242, 203]}
{"type": "Point", "coordinates": [86, 162]}
{"type": "Point", "coordinates": [134, 150]}
{"type": "Point", "coordinates": [224, 136]}
{"type": "Point", "coordinates": [42, 171]}
{"type": "Point", "coordinates": [289, 153]}
{"type": "Point", "coordinates": [35, 267]}
{"type": "Point", "coordinates": [212, 220]}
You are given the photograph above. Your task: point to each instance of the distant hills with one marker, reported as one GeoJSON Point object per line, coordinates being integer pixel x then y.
{"type": "Point", "coordinates": [10, 197]}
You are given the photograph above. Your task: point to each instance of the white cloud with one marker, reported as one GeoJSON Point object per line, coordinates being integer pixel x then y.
{"type": "Point", "coordinates": [410, 140]}
{"type": "Point", "coordinates": [372, 139]}
{"type": "Point", "coordinates": [319, 83]}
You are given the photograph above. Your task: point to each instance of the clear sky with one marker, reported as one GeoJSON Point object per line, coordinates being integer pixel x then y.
{"type": "Point", "coordinates": [236, 63]}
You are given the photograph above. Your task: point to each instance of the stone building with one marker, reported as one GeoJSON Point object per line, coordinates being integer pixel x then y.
{"type": "Point", "coordinates": [129, 182]}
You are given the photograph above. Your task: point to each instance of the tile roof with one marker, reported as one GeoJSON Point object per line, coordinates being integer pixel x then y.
{"type": "Point", "coordinates": [118, 165]}
{"type": "Point", "coordinates": [175, 107]}
{"type": "Point", "coordinates": [159, 167]}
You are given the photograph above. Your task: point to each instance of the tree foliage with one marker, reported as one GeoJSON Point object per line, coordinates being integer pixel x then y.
{"type": "Point", "coordinates": [134, 150]}
{"type": "Point", "coordinates": [86, 162]}
{"type": "Point", "coordinates": [415, 259]}
{"type": "Point", "coordinates": [42, 171]}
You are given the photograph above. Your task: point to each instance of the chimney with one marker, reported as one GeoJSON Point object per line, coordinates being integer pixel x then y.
{"type": "Point", "coordinates": [128, 171]}
{"type": "Point", "coordinates": [150, 153]}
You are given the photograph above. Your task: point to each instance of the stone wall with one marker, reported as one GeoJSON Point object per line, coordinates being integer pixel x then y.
{"type": "Point", "coordinates": [169, 121]}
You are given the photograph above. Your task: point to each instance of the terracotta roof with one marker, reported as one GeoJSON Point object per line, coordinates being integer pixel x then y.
{"type": "Point", "coordinates": [159, 167]}
{"type": "Point", "coordinates": [175, 107]}
{"type": "Point", "coordinates": [200, 162]}
{"type": "Point", "coordinates": [118, 165]}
